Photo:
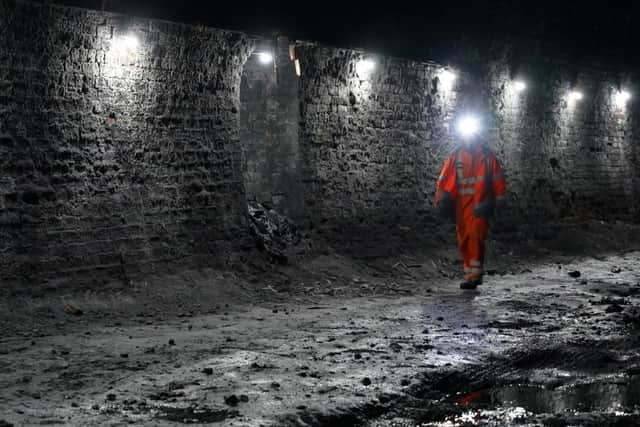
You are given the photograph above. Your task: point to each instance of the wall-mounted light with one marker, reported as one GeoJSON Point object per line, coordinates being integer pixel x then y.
{"type": "Point", "coordinates": [124, 50]}
{"type": "Point", "coordinates": [574, 96]}
{"type": "Point", "coordinates": [468, 126]}
{"type": "Point", "coordinates": [298, 68]}
{"type": "Point", "coordinates": [519, 86]}
{"type": "Point", "coordinates": [265, 57]}
{"type": "Point", "coordinates": [364, 67]}
{"type": "Point", "coordinates": [446, 78]}
{"type": "Point", "coordinates": [127, 43]}
{"type": "Point", "coordinates": [620, 98]}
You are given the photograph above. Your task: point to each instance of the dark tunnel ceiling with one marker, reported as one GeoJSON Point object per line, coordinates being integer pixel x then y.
{"type": "Point", "coordinates": [416, 30]}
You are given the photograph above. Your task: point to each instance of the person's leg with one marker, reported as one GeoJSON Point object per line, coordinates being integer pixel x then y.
{"type": "Point", "coordinates": [476, 248]}
{"type": "Point", "coordinates": [463, 243]}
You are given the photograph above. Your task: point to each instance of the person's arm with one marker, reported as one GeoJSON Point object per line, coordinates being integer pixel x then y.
{"type": "Point", "coordinates": [446, 188]}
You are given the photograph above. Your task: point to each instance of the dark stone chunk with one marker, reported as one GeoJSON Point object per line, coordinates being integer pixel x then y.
{"type": "Point", "coordinates": [231, 400]}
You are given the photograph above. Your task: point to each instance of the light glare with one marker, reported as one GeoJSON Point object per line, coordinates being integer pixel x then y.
{"type": "Point", "coordinates": [621, 97]}
{"type": "Point", "coordinates": [468, 126]}
{"type": "Point", "coordinates": [575, 95]}
{"type": "Point", "coordinates": [519, 85]}
{"type": "Point", "coordinates": [365, 66]}
{"type": "Point", "coordinates": [265, 57]}
{"type": "Point", "coordinates": [128, 42]}
{"type": "Point", "coordinates": [447, 78]}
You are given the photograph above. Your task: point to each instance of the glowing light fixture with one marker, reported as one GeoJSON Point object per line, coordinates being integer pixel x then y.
{"type": "Point", "coordinates": [298, 69]}
{"type": "Point", "coordinates": [265, 57]}
{"type": "Point", "coordinates": [519, 85]}
{"type": "Point", "coordinates": [365, 66]}
{"type": "Point", "coordinates": [124, 51]}
{"type": "Point", "coordinates": [574, 96]}
{"type": "Point", "coordinates": [468, 126]}
{"type": "Point", "coordinates": [128, 42]}
{"type": "Point", "coordinates": [447, 78]}
{"type": "Point", "coordinates": [621, 97]}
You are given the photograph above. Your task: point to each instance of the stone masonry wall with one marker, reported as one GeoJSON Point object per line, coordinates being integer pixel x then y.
{"type": "Point", "coordinates": [269, 116]}
{"type": "Point", "coordinates": [115, 156]}
{"type": "Point", "coordinates": [373, 142]}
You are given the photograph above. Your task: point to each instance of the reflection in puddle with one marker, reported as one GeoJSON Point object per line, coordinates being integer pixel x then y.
{"type": "Point", "coordinates": [520, 403]}
{"type": "Point", "coordinates": [612, 394]}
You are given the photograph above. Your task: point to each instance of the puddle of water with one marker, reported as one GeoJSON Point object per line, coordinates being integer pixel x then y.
{"type": "Point", "coordinates": [194, 415]}
{"type": "Point", "coordinates": [604, 395]}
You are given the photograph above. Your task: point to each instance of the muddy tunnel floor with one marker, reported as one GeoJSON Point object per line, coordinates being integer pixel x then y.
{"type": "Point", "coordinates": [538, 346]}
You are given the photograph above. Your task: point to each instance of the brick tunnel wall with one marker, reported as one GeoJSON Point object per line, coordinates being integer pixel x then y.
{"type": "Point", "coordinates": [269, 116]}
{"type": "Point", "coordinates": [115, 158]}
{"type": "Point", "coordinates": [372, 143]}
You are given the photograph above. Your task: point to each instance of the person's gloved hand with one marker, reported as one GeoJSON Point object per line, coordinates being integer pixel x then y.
{"type": "Point", "coordinates": [446, 206]}
{"type": "Point", "coordinates": [484, 210]}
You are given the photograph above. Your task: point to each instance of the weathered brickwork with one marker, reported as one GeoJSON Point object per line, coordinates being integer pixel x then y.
{"type": "Point", "coordinates": [565, 159]}
{"type": "Point", "coordinates": [373, 142]}
{"type": "Point", "coordinates": [370, 140]}
{"type": "Point", "coordinates": [115, 157]}
{"type": "Point", "coordinates": [269, 115]}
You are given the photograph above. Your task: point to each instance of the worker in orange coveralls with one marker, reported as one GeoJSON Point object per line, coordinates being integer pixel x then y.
{"type": "Point", "coordinates": [472, 187]}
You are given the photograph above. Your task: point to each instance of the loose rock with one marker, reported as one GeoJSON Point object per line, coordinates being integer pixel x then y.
{"type": "Point", "coordinates": [231, 400]}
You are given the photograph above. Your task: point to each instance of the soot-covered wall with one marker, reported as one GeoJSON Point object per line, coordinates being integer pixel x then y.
{"type": "Point", "coordinates": [373, 139]}
{"type": "Point", "coordinates": [115, 156]}
{"type": "Point", "coordinates": [269, 116]}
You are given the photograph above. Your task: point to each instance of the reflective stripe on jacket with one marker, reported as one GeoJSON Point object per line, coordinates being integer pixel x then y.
{"type": "Point", "coordinates": [472, 174]}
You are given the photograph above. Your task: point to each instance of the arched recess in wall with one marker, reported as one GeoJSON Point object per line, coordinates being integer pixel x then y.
{"type": "Point", "coordinates": [269, 120]}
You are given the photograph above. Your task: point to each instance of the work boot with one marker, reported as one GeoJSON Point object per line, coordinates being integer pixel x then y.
{"type": "Point", "coordinates": [471, 283]}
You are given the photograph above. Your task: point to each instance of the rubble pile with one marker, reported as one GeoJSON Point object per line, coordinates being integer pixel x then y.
{"type": "Point", "coordinates": [275, 234]}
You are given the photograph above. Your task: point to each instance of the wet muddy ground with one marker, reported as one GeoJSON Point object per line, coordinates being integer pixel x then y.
{"type": "Point", "coordinates": [542, 345]}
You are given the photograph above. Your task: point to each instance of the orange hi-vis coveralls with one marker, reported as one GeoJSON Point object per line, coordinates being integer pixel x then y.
{"type": "Point", "coordinates": [473, 179]}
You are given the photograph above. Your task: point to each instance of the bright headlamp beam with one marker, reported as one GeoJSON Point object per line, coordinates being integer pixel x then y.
{"type": "Point", "coordinates": [468, 126]}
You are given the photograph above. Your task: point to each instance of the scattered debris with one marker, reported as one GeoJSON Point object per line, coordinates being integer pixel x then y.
{"type": "Point", "coordinates": [231, 400]}
{"type": "Point", "coordinates": [275, 234]}
{"type": "Point", "coordinates": [72, 310]}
